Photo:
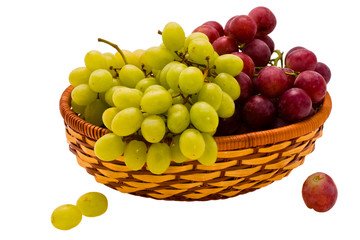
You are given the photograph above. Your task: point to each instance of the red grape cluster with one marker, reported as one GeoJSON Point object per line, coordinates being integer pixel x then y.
{"type": "Point", "coordinates": [271, 95]}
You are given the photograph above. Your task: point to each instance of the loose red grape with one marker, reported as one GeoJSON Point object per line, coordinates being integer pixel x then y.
{"type": "Point", "coordinates": [271, 81]}
{"type": "Point", "coordinates": [324, 70]}
{"type": "Point", "coordinates": [249, 65]}
{"type": "Point", "coordinates": [301, 60]}
{"type": "Point", "coordinates": [216, 25]}
{"type": "Point", "coordinates": [265, 20]}
{"type": "Point", "coordinates": [259, 52]}
{"type": "Point", "coordinates": [242, 29]}
{"type": "Point", "coordinates": [259, 112]}
{"type": "Point", "coordinates": [225, 45]}
{"type": "Point", "coordinates": [294, 105]}
{"type": "Point", "coordinates": [209, 31]}
{"type": "Point", "coordinates": [313, 83]}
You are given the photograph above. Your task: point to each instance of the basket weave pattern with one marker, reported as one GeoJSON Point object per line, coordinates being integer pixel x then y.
{"type": "Point", "coordinates": [245, 162]}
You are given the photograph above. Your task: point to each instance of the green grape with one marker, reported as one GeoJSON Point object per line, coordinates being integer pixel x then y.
{"type": "Point", "coordinates": [95, 60]}
{"type": "Point", "coordinates": [229, 63]}
{"type": "Point", "coordinates": [100, 80]}
{"type": "Point", "coordinates": [83, 95]}
{"type": "Point", "coordinates": [66, 217]}
{"type": "Point", "coordinates": [228, 84]}
{"type": "Point", "coordinates": [192, 36]}
{"type": "Point", "coordinates": [131, 58]}
{"type": "Point", "coordinates": [92, 204]}
{"type": "Point", "coordinates": [178, 118]}
{"type": "Point", "coordinates": [108, 97]}
{"type": "Point", "coordinates": [157, 57]}
{"type": "Point", "coordinates": [158, 158]}
{"type": "Point", "coordinates": [163, 74]}
{"type": "Point", "coordinates": [143, 84]}
{"type": "Point", "coordinates": [172, 76]}
{"type": "Point", "coordinates": [127, 121]}
{"type": "Point", "coordinates": [93, 112]}
{"type": "Point", "coordinates": [109, 147]}
{"type": "Point", "coordinates": [212, 94]}
{"type": "Point", "coordinates": [192, 144]}
{"type": "Point", "coordinates": [79, 76]}
{"type": "Point", "coordinates": [153, 88]}
{"type": "Point", "coordinates": [112, 62]}
{"type": "Point", "coordinates": [211, 150]}
{"type": "Point", "coordinates": [130, 75]}
{"type": "Point", "coordinates": [108, 115]}
{"type": "Point", "coordinates": [156, 101]}
{"type": "Point", "coordinates": [191, 80]}
{"type": "Point", "coordinates": [200, 50]}
{"type": "Point", "coordinates": [127, 97]}
{"type": "Point", "coordinates": [227, 107]}
{"type": "Point", "coordinates": [177, 99]}
{"type": "Point", "coordinates": [79, 109]}
{"type": "Point", "coordinates": [153, 128]}
{"type": "Point", "coordinates": [135, 155]}
{"type": "Point", "coordinates": [176, 153]}
{"type": "Point", "coordinates": [173, 36]}
{"type": "Point", "coordinates": [204, 117]}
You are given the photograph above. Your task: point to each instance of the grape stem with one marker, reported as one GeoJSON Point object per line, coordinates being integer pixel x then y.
{"type": "Point", "coordinates": [114, 46]}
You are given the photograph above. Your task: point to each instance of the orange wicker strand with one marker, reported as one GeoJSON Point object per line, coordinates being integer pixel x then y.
{"type": "Point", "coordinates": [245, 163]}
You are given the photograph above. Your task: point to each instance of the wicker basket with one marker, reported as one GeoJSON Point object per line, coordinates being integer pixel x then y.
{"type": "Point", "coordinates": [245, 162]}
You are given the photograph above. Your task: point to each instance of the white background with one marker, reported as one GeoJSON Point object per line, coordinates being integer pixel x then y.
{"type": "Point", "coordinates": [42, 41]}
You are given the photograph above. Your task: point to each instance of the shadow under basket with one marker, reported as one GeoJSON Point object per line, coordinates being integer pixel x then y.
{"type": "Point", "coordinates": [245, 163]}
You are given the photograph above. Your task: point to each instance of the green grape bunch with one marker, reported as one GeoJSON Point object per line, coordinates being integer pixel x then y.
{"type": "Point", "coordinates": [161, 104]}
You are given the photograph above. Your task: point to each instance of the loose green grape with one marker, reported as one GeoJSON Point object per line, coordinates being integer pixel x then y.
{"type": "Point", "coordinates": [211, 150]}
{"type": "Point", "coordinates": [192, 144]}
{"type": "Point", "coordinates": [108, 115]}
{"type": "Point", "coordinates": [228, 84]}
{"type": "Point", "coordinates": [204, 117]}
{"type": "Point", "coordinates": [127, 121]}
{"type": "Point", "coordinates": [157, 57]}
{"type": "Point", "coordinates": [153, 128]}
{"type": "Point", "coordinates": [173, 36]}
{"type": "Point", "coordinates": [79, 76]}
{"type": "Point", "coordinates": [172, 76]}
{"type": "Point", "coordinates": [191, 80]}
{"type": "Point", "coordinates": [108, 97]}
{"type": "Point", "coordinates": [158, 158]}
{"type": "Point", "coordinates": [66, 217]}
{"type": "Point", "coordinates": [95, 60]}
{"type": "Point", "coordinates": [83, 95]}
{"type": "Point", "coordinates": [93, 112]}
{"type": "Point", "coordinates": [143, 84]}
{"type": "Point", "coordinates": [212, 94]}
{"type": "Point", "coordinates": [112, 62]}
{"type": "Point", "coordinates": [130, 75]}
{"type": "Point", "coordinates": [156, 101]}
{"type": "Point", "coordinates": [92, 204]}
{"type": "Point", "coordinates": [100, 80]}
{"type": "Point", "coordinates": [127, 97]}
{"type": "Point", "coordinates": [227, 107]}
{"type": "Point", "coordinates": [229, 63]}
{"type": "Point", "coordinates": [176, 153]}
{"type": "Point", "coordinates": [192, 36]}
{"type": "Point", "coordinates": [178, 118]}
{"type": "Point", "coordinates": [200, 50]}
{"type": "Point", "coordinates": [135, 155]}
{"type": "Point", "coordinates": [109, 147]}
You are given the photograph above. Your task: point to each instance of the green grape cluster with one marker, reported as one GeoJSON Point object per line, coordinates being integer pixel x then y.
{"type": "Point", "coordinates": [162, 104]}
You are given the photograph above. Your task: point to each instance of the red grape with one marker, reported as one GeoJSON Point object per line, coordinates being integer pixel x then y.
{"type": "Point", "coordinates": [209, 31]}
{"type": "Point", "coordinates": [259, 52]}
{"type": "Point", "coordinates": [227, 26]}
{"type": "Point", "coordinates": [228, 126]}
{"type": "Point", "coordinates": [217, 26]}
{"type": "Point", "coordinates": [265, 20]}
{"type": "Point", "coordinates": [324, 70]}
{"type": "Point", "coordinates": [243, 29]}
{"type": "Point", "coordinates": [271, 81]}
{"type": "Point", "coordinates": [313, 83]}
{"type": "Point", "coordinates": [225, 45]}
{"type": "Point", "coordinates": [301, 60]}
{"type": "Point", "coordinates": [290, 78]}
{"type": "Point", "coordinates": [246, 86]}
{"type": "Point", "coordinates": [291, 50]}
{"type": "Point", "coordinates": [249, 65]}
{"type": "Point", "coordinates": [268, 40]}
{"type": "Point", "coordinates": [259, 112]}
{"type": "Point", "coordinates": [294, 105]}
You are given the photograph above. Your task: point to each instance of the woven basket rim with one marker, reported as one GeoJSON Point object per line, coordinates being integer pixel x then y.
{"type": "Point", "coordinates": [233, 142]}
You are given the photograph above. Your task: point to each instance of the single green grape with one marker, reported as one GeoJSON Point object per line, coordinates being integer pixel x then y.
{"type": "Point", "coordinates": [108, 115]}
{"type": "Point", "coordinates": [227, 107]}
{"type": "Point", "coordinates": [178, 118]}
{"type": "Point", "coordinates": [158, 158]}
{"type": "Point", "coordinates": [157, 57]}
{"type": "Point", "coordinates": [127, 97]}
{"type": "Point", "coordinates": [143, 84]}
{"type": "Point", "coordinates": [130, 75]}
{"type": "Point", "coordinates": [92, 204]}
{"type": "Point", "coordinates": [172, 75]}
{"type": "Point", "coordinates": [211, 150]}
{"type": "Point", "coordinates": [228, 84]}
{"type": "Point", "coordinates": [173, 36]}
{"type": "Point", "coordinates": [127, 121]}
{"type": "Point", "coordinates": [100, 80]}
{"type": "Point", "coordinates": [135, 155]}
{"type": "Point", "coordinates": [200, 50]}
{"type": "Point", "coordinates": [192, 144]}
{"type": "Point", "coordinates": [204, 117]}
{"type": "Point", "coordinates": [79, 76]}
{"type": "Point", "coordinates": [212, 94]}
{"type": "Point", "coordinates": [66, 217]}
{"type": "Point", "coordinates": [83, 95]}
{"type": "Point", "coordinates": [156, 101]}
{"type": "Point", "coordinates": [191, 80]}
{"type": "Point", "coordinates": [229, 63]}
{"type": "Point", "coordinates": [153, 128]}
{"type": "Point", "coordinates": [95, 60]}
{"type": "Point", "coordinates": [176, 153]}
{"type": "Point", "coordinates": [109, 147]}
{"type": "Point", "coordinates": [192, 36]}
{"type": "Point", "coordinates": [79, 109]}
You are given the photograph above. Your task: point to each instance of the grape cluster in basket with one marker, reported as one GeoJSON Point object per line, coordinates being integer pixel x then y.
{"type": "Point", "coordinates": [166, 103]}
